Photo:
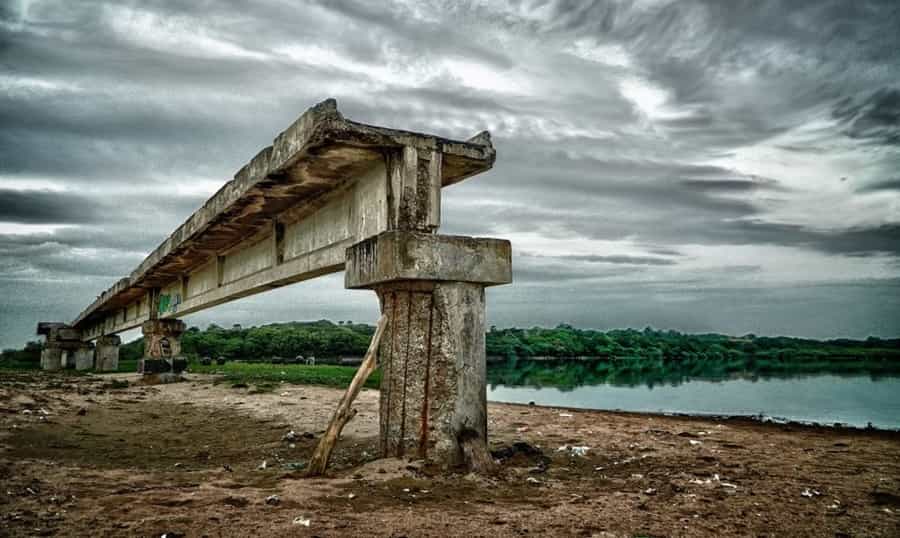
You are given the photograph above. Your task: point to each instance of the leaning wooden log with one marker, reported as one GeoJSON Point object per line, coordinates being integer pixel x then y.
{"type": "Point", "coordinates": [319, 461]}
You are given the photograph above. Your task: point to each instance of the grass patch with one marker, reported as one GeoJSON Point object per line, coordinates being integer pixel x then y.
{"type": "Point", "coordinates": [265, 376]}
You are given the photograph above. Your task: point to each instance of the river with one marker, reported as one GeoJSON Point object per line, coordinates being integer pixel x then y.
{"type": "Point", "coordinates": [855, 400]}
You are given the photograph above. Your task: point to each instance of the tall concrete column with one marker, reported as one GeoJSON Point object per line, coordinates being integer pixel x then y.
{"type": "Point", "coordinates": [51, 357]}
{"type": "Point", "coordinates": [107, 351]}
{"type": "Point", "coordinates": [162, 346]}
{"type": "Point", "coordinates": [432, 356]}
{"type": "Point", "coordinates": [84, 357]}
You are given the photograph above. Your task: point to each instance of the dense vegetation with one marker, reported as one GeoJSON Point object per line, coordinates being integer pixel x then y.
{"type": "Point", "coordinates": [621, 354]}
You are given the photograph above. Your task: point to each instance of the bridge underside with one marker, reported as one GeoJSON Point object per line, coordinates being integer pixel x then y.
{"type": "Point", "coordinates": [330, 193]}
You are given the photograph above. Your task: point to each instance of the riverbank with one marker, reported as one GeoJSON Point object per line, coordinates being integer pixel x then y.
{"type": "Point", "coordinates": [88, 455]}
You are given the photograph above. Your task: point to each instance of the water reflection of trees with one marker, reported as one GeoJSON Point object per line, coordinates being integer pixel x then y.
{"type": "Point", "coordinates": [567, 374]}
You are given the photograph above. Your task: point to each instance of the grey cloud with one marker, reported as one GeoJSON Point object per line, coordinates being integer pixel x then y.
{"type": "Point", "coordinates": [611, 259]}
{"type": "Point", "coordinates": [42, 207]}
{"type": "Point", "coordinates": [886, 185]}
{"type": "Point", "coordinates": [876, 118]}
{"type": "Point", "coordinates": [98, 110]}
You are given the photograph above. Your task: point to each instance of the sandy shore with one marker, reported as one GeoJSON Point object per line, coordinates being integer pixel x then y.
{"type": "Point", "coordinates": [81, 456]}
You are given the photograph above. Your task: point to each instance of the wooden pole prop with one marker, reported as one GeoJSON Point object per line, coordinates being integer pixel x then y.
{"type": "Point", "coordinates": [319, 461]}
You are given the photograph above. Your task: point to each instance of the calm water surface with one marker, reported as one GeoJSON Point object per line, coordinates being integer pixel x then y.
{"type": "Point", "coordinates": [825, 399]}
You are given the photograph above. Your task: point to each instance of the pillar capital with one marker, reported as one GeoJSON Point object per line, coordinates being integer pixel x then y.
{"type": "Point", "coordinates": [109, 340]}
{"type": "Point", "coordinates": [405, 255]}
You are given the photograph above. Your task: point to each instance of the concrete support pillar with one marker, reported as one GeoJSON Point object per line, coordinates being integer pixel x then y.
{"type": "Point", "coordinates": [433, 392]}
{"type": "Point", "coordinates": [107, 353]}
{"type": "Point", "coordinates": [84, 357]}
{"type": "Point", "coordinates": [51, 357]}
{"type": "Point", "coordinates": [432, 356]}
{"type": "Point", "coordinates": [162, 346]}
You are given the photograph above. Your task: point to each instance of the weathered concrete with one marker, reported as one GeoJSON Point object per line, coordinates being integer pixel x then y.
{"type": "Point", "coordinates": [84, 357]}
{"type": "Point", "coordinates": [325, 184]}
{"type": "Point", "coordinates": [404, 255]}
{"type": "Point", "coordinates": [433, 392]}
{"type": "Point", "coordinates": [431, 287]}
{"type": "Point", "coordinates": [60, 347]}
{"type": "Point", "coordinates": [162, 346]}
{"type": "Point", "coordinates": [107, 353]}
{"type": "Point", "coordinates": [331, 194]}
{"type": "Point", "coordinates": [51, 357]}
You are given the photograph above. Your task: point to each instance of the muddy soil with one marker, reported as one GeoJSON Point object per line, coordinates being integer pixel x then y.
{"type": "Point", "coordinates": [87, 456]}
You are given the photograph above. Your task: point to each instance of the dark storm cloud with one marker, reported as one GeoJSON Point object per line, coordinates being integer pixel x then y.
{"type": "Point", "coordinates": [64, 207]}
{"type": "Point", "coordinates": [876, 118]}
{"type": "Point", "coordinates": [597, 258]}
{"type": "Point", "coordinates": [614, 121]}
{"type": "Point", "coordinates": [42, 207]}
{"type": "Point", "coordinates": [886, 185]}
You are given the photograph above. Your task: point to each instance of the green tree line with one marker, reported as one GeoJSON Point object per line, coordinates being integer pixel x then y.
{"type": "Point", "coordinates": [328, 339]}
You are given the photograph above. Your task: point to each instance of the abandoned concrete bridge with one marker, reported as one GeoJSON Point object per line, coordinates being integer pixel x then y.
{"type": "Point", "coordinates": [330, 194]}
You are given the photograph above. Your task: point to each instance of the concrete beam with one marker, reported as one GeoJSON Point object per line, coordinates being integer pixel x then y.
{"type": "Point", "coordinates": [325, 183]}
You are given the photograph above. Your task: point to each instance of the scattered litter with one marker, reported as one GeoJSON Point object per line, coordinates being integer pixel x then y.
{"type": "Point", "coordinates": [285, 394]}
{"type": "Point", "coordinates": [405, 490]}
{"type": "Point", "coordinates": [274, 500]}
{"type": "Point", "coordinates": [228, 468]}
{"type": "Point", "coordinates": [82, 412]}
{"type": "Point", "coordinates": [292, 445]}
{"type": "Point", "coordinates": [43, 411]}
{"type": "Point", "coordinates": [650, 491]}
{"type": "Point", "coordinates": [300, 520]}
{"type": "Point", "coordinates": [523, 429]}
{"type": "Point", "coordinates": [574, 450]}
{"type": "Point", "coordinates": [351, 496]}
{"type": "Point", "coordinates": [177, 465]}
{"type": "Point", "coordinates": [263, 465]}
{"type": "Point", "coordinates": [694, 442]}
{"type": "Point", "coordinates": [566, 415]}
{"type": "Point", "coordinates": [809, 493]}
{"type": "Point", "coordinates": [715, 478]}
{"type": "Point", "coordinates": [290, 436]}
{"type": "Point", "coordinates": [26, 411]}
{"type": "Point", "coordinates": [294, 465]}
{"type": "Point", "coordinates": [532, 480]}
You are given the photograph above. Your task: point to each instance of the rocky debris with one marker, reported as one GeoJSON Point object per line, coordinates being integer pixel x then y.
{"type": "Point", "coordinates": [580, 451]}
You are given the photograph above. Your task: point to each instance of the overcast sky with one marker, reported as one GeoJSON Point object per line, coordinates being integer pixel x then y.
{"type": "Point", "coordinates": [702, 166]}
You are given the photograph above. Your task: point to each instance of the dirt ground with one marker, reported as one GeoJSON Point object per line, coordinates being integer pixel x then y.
{"type": "Point", "coordinates": [83, 456]}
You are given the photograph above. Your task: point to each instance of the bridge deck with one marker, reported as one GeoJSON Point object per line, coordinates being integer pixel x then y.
{"type": "Point", "coordinates": [315, 156]}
